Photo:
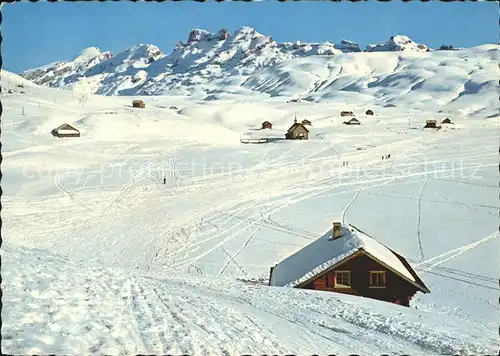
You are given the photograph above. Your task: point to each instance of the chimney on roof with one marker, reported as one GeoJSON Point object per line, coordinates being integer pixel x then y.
{"type": "Point", "coordinates": [337, 231]}
{"type": "Point", "coordinates": [295, 120]}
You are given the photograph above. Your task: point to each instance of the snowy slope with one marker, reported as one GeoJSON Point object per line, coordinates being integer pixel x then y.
{"type": "Point", "coordinates": [436, 81]}
{"type": "Point", "coordinates": [230, 211]}
{"type": "Point", "coordinates": [52, 306]}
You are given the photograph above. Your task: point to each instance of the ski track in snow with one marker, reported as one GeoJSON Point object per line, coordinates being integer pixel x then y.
{"type": "Point", "coordinates": [447, 256]}
{"type": "Point", "coordinates": [344, 212]}
{"type": "Point", "coordinates": [247, 241]}
{"type": "Point", "coordinates": [419, 217]}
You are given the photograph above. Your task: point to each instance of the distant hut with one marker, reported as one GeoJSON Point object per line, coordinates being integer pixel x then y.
{"type": "Point", "coordinates": [65, 130]}
{"type": "Point", "coordinates": [430, 124]}
{"type": "Point", "coordinates": [353, 121]}
{"type": "Point", "coordinates": [447, 121]}
{"type": "Point", "coordinates": [297, 132]}
{"type": "Point", "coordinates": [266, 125]}
{"type": "Point", "coordinates": [369, 112]}
{"type": "Point", "coordinates": [346, 113]}
{"type": "Point", "coordinates": [138, 104]}
{"type": "Point", "coordinates": [306, 122]}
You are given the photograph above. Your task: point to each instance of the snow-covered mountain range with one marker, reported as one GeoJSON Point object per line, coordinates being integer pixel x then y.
{"type": "Point", "coordinates": [233, 62]}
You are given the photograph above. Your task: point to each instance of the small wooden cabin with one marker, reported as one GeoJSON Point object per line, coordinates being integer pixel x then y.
{"type": "Point", "coordinates": [447, 121]}
{"type": "Point", "coordinates": [369, 112]}
{"type": "Point", "coordinates": [353, 121]}
{"type": "Point", "coordinates": [65, 130]}
{"type": "Point", "coordinates": [266, 125]}
{"type": "Point", "coordinates": [346, 260]}
{"type": "Point", "coordinates": [430, 124]}
{"type": "Point", "coordinates": [297, 132]}
{"type": "Point", "coordinates": [346, 113]}
{"type": "Point", "coordinates": [306, 122]}
{"type": "Point", "coordinates": [138, 104]}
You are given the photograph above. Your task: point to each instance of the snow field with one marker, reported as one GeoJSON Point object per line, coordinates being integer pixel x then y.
{"type": "Point", "coordinates": [97, 246]}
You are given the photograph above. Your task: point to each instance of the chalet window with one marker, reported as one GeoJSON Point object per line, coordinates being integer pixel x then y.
{"type": "Point", "coordinates": [377, 279]}
{"type": "Point", "coordinates": [342, 279]}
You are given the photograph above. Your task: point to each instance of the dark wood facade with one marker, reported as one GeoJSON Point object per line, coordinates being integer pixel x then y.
{"type": "Point", "coordinates": [267, 125]}
{"type": "Point", "coordinates": [306, 122]}
{"type": "Point", "coordinates": [430, 124]}
{"type": "Point", "coordinates": [369, 112]}
{"type": "Point", "coordinates": [138, 104]}
{"type": "Point", "coordinates": [353, 121]}
{"type": "Point", "coordinates": [364, 276]}
{"type": "Point", "coordinates": [447, 121]}
{"type": "Point", "coordinates": [346, 113]}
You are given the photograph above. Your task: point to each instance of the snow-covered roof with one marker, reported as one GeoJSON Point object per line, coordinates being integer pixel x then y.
{"type": "Point", "coordinates": [297, 124]}
{"type": "Point", "coordinates": [66, 131]}
{"type": "Point", "coordinates": [326, 252]}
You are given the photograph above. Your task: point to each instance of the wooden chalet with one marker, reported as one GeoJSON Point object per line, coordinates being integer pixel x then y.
{"type": "Point", "coordinates": [430, 124]}
{"type": "Point", "coordinates": [306, 122]}
{"type": "Point", "coordinates": [138, 104]}
{"type": "Point", "coordinates": [353, 121]}
{"type": "Point", "coordinates": [297, 132]}
{"type": "Point", "coordinates": [369, 112]}
{"type": "Point", "coordinates": [346, 260]}
{"type": "Point", "coordinates": [346, 113]}
{"type": "Point", "coordinates": [447, 121]}
{"type": "Point", "coordinates": [266, 125]}
{"type": "Point", "coordinates": [65, 130]}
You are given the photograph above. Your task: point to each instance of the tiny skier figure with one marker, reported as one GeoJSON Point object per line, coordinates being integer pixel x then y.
{"type": "Point", "coordinates": [164, 180]}
{"type": "Point", "coordinates": [389, 155]}
{"type": "Point", "coordinates": [343, 163]}
{"type": "Point", "coordinates": [382, 158]}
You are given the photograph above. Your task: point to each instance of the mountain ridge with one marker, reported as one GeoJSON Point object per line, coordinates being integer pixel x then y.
{"type": "Point", "coordinates": [88, 61]}
{"type": "Point", "coordinates": [210, 65]}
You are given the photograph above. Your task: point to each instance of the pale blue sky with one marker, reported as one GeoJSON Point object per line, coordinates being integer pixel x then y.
{"type": "Point", "coordinates": [39, 33]}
